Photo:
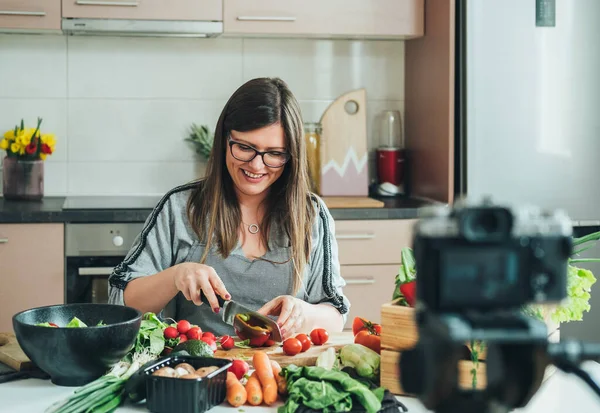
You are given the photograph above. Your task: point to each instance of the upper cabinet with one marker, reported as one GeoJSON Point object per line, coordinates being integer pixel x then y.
{"type": "Point", "coordinates": [400, 19]}
{"type": "Point", "coordinates": [204, 10]}
{"type": "Point", "coordinates": [30, 15]}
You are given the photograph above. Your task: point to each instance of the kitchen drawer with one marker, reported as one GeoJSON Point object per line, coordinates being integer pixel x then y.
{"type": "Point", "coordinates": [368, 287]}
{"type": "Point", "coordinates": [211, 10]}
{"type": "Point", "coordinates": [32, 270]}
{"type": "Point", "coordinates": [373, 241]}
{"type": "Point", "coordinates": [348, 18]}
{"type": "Point", "coordinates": [25, 15]}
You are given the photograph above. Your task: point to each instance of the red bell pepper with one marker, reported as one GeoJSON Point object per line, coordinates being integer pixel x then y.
{"type": "Point", "coordinates": [409, 291]}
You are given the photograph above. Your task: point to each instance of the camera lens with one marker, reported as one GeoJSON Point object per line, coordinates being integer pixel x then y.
{"type": "Point", "coordinates": [486, 224]}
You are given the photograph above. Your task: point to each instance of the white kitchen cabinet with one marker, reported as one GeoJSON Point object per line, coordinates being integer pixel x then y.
{"type": "Point", "coordinates": [370, 255]}
{"type": "Point", "coordinates": [32, 272]}
{"type": "Point", "coordinates": [197, 10]}
{"type": "Point", "coordinates": [332, 18]}
{"type": "Point", "coordinates": [29, 15]}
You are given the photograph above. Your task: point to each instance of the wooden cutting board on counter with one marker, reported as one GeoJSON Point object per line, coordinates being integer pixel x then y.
{"type": "Point", "coordinates": [308, 358]}
{"type": "Point", "coordinates": [11, 353]}
{"type": "Point", "coordinates": [333, 202]}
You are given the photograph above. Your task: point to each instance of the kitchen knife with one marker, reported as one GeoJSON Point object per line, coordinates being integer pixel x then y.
{"type": "Point", "coordinates": [230, 308]}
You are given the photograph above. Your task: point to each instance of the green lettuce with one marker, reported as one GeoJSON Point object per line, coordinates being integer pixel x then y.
{"type": "Point", "coordinates": [406, 273]}
{"type": "Point", "coordinates": [75, 322]}
{"type": "Point", "coordinates": [579, 285]}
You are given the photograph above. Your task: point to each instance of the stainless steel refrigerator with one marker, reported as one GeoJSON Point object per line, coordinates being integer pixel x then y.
{"type": "Point", "coordinates": [528, 118]}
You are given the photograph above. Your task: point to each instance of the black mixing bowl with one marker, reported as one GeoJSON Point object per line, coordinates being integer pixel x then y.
{"type": "Point", "coordinates": [77, 356]}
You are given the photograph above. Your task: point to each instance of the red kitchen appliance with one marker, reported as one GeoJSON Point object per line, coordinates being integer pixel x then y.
{"type": "Point", "coordinates": [390, 154]}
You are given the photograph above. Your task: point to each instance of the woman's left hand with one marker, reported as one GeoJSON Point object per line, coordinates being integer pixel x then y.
{"type": "Point", "coordinates": [290, 311]}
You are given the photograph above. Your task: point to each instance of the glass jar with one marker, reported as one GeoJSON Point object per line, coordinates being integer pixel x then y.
{"type": "Point", "coordinates": [312, 136]}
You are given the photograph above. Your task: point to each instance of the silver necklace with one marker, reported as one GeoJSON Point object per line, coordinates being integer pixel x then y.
{"type": "Point", "coordinates": [252, 228]}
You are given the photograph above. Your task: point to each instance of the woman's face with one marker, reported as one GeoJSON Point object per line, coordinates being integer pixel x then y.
{"type": "Point", "coordinates": [253, 177]}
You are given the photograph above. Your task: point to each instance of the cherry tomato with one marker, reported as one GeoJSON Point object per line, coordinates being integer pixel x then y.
{"type": "Point", "coordinates": [210, 335]}
{"type": "Point", "coordinates": [367, 339]}
{"type": "Point", "coordinates": [182, 338]}
{"type": "Point", "coordinates": [194, 333]}
{"type": "Point", "coordinates": [183, 326]}
{"type": "Point", "coordinates": [319, 336]}
{"type": "Point", "coordinates": [227, 343]}
{"type": "Point", "coordinates": [292, 346]}
{"type": "Point", "coordinates": [171, 332]}
{"type": "Point", "coordinates": [305, 341]}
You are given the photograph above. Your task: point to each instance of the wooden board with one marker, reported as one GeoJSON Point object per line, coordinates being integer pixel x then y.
{"type": "Point", "coordinates": [11, 354]}
{"type": "Point", "coordinates": [351, 202]}
{"type": "Point", "coordinates": [343, 147]}
{"type": "Point", "coordinates": [308, 358]}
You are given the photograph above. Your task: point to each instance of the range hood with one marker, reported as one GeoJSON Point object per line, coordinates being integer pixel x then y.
{"type": "Point", "coordinates": [141, 28]}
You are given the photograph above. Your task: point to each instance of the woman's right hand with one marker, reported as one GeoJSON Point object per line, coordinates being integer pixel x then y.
{"type": "Point", "coordinates": [192, 279]}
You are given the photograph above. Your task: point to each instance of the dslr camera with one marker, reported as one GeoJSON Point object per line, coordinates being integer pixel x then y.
{"type": "Point", "coordinates": [483, 257]}
{"type": "Point", "coordinates": [478, 265]}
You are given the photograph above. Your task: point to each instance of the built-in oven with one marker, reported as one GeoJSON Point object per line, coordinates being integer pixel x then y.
{"type": "Point", "coordinates": [92, 251]}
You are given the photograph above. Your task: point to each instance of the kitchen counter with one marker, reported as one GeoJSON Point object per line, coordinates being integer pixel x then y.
{"type": "Point", "coordinates": [52, 210]}
{"type": "Point", "coordinates": [560, 393]}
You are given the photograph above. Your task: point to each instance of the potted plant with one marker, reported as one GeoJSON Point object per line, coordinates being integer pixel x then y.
{"type": "Point", "coordinates": [23, 166]}
{"type": "Point", "coordinates": [201, 139]}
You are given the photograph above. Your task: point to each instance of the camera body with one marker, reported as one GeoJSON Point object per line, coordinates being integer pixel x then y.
{"type": "Point", "coordinates": [483, 257]}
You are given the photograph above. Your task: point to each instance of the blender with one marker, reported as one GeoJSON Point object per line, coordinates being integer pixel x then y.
{"type": "Point", "coordinates": [390, 154]}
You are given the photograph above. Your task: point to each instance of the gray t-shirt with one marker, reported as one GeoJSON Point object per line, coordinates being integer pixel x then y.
{"type": "Point", "coordinates": [168, 239]}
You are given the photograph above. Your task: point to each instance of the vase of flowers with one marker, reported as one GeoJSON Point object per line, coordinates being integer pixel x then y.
{"type": "Point", "coordinates": [23, 166]}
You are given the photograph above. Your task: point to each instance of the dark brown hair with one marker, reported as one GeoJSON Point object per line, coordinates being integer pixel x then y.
{"type": "Point", "coordinates": [213, 209]}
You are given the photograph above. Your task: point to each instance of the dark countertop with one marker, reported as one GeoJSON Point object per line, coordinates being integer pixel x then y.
{"type": "Point", "coordinates": [50, 210]}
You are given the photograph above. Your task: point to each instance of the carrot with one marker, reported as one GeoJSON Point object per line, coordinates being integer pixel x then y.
{"type": "Point", "coordinates": [281, 383]}
{"type": "Point", "coordinates": [264, 371]}
{"type": "Point", "coordinates": [236, 393]}
{"type": "Point", "coordinates": [253, 389]}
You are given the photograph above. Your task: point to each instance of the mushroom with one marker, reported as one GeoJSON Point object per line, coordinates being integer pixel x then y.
{"type": "Point", "coordinates": [165, 372]}
{"type": "Point", "coordinates": [189, 376]}
{"type": "Point", "coordinates": [205, 371]}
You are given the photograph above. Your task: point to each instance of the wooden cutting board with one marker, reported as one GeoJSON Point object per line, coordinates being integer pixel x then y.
{"type": "Point", "coordinates": [333, 202]}
{"type": "Point", "coordinates": [308, 358]}
{"type": "Point", "coordinates": [11, 354]}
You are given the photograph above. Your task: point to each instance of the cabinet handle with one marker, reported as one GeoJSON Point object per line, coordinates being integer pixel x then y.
{"type": "Point", "coordinates": [107, 3]}
{"type": "Point", "coordinates": [267, 18]}
{"type": "Point", "coordinates": [95, 270]}
{"type": "Point", "coordinates": [22, 13]}
{"type": "Point", "coordinates": [3, 240]}
{"type": "Point", "coordinates": [360, 281]}
{"type": "Point", "coordinates": [355, 236]}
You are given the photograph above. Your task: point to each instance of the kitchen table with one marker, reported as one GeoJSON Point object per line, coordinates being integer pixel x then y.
{"type": "Point", "coordinates": [560, 393]}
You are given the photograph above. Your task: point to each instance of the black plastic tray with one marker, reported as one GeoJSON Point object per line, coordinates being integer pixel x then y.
{"type": "Point", "coordinates": [166, 395]}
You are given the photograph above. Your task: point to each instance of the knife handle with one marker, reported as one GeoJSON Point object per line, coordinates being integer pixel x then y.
{"type": "Point", "coordinates": [205, 300]}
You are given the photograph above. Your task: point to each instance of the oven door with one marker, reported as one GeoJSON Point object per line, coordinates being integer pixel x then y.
{"type": "Point", "coordinates": [87, 278]}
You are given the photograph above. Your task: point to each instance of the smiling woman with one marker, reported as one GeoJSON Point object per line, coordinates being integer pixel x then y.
{"type": "Point", "coordinates": [250, 230]}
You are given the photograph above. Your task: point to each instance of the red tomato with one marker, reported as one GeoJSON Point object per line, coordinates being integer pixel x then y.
{"type": "Point", "coordinates": [292, 346]}
{"type": "Point", "coordinates": [360, 324]}
{"type": "Point", "coordinates": [183, 338]}
{"type": "Point", "coordinates": [319, 336]}
{"type": "Point", "coordinates": [171, 332]}
{"type": "Point", "coordinates": [305, 341]}
{"type": "Point", "coordinates": [194, 333]}
{"type": "Point", "coordinates": [239, 368]}
{"type": "Point", "coordinates": [210, 335]}
{"type": "Point", "coordinates": [212, 343]}
{"type": "Point", "coordinates": [183, 326]}
{"type": "Point", "coordinates": [367, 339]}
{"type": "Point", "coordinates": [227, 343]}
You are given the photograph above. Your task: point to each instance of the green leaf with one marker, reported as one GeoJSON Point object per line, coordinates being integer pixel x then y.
{"type": "Point", "coordinates": [579, 285]}
{"type": "Point", "coordinates": [157, 342]}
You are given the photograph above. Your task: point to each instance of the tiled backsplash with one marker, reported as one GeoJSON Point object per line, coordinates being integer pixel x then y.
{"type": "Point", "coordinates": [121, 107]}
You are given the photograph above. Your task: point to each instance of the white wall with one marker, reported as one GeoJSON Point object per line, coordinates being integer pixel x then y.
{"type": "Point", "coordinates": [120, 107]}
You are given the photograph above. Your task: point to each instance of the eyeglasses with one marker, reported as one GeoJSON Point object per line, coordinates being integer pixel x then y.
{"type": "Point", "coordinates": [245, 153]}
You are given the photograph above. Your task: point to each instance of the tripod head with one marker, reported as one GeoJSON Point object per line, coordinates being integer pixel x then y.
{"type": "Point", "coordinates": [477, 266]}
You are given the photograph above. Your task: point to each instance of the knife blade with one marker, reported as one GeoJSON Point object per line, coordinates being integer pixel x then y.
{"type": "Point", "coordinates": [230, 308]}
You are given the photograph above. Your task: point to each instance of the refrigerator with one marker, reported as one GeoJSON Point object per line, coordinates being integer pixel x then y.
{"type": "Point", "coordinates": [528, 113]}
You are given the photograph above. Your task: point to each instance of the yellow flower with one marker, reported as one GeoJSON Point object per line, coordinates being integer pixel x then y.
{"type": "Point", "coordinates": [4, 144]}
{"type": "Point", "coordinates": [43, 156]}
{"type": "Point", "coordinates": [9, 135]}
{"type": "Point", "coordinates": [16, 147]}
{"type": "Point", "coordinates": [25, 138]}
{"type": "Point", "coordinates": [49, 140]}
